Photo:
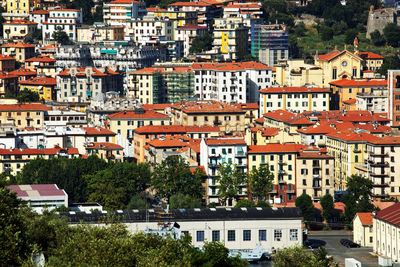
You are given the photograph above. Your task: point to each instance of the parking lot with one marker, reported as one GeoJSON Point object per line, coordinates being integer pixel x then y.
{"type": "Point", "coordinates": [339, 252]}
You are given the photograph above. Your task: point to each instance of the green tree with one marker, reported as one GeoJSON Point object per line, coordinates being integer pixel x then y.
{"type": "Point", "coordinates": [201, 43]}
{"type": "Point", "coordinates": [297, 257]}
{"type": "Point", "coordinates": [109, 196]}
{"type": "Point", "coordinates": [391, 33]}
{"type": "Point", "coordinates": [27, 95]}
{"type": "Point", "coordinates": [325, 32]}
{"type": "Point", "coordinates": [327, 207]}
{"type": "Point", "coordinates": [305, 204]}
{"type": "Point", "coordinates": [377, 38]}
{"type": "Point", "coordinates": [136, 202]}
{"type": "Point", "coordinates": [260, 182]}
{"type": "Point", "coordinates": [215, 254]}
{"type": "Point", "coordinates": [60, 36]}
{"type": "Point", "coordinates": [231, 179]}
{"type": "Point", "coordinates": [300, 29]}
{"type": "Point", "coordinates": [244, 203]}
{"type": "Point", "coordinates": [173, 175]}
{"type": "Point", "coordinates": [349, 36]}
{"type": "Point", "coordinates": [359, 187]}
{"type": "Point", "coordinates": [390, 62]}
{"type": "Point", "coordinates": [181, 201]}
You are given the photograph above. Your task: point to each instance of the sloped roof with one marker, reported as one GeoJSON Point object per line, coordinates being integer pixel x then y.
{"type": "Point", "coordinates": [206, 107]}
{"type": "Point", "coordinates": [36, 190]}
{"type": "Point", "coordinates": [365, 218]}
{"type": "Point", "coordinates": [104, 146]}
{"type": "Point", "coordinates": [225, 141]}
{"type": "Point", "coordinates": [301, 89]}
{"type": "Point", "coordinates": [31, 106]}
{"type": "Point", "coordinates": [47, 81]}
{"type": "Point", "coordinates": [390, 214]}
{"type": "Point", "coordinates": [97, 131]}
{"type": "Point", "coordinates": [349, 83]}
{"type": "Point", "coordinates": [18, 45]}
{"type": "Point", "coordinates": [370, 55]}
{"type": "Point", "coordinates": [148, 114]}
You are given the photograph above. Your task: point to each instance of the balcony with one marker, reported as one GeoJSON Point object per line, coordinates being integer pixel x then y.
{"type": "Point", "coordinates": [380, 164]}
{"type": "Point", "coordinates": [380, 185]}
{"type": "Point", "coordinates": [377, 154]}
{"type": "Point", "coordinates": [216, 123]}
{"type": "Point", "coordinates": [357, 150]}
{"type": "Point", "coordinates": [378, 174]}
{"type": "Point", "coordinates": [282, 172]}
{"type": "Point", "coordinates": [282, 162]}
{"type": "Point", "coordinates": [212, 164]}
{"type": "Point", "coordinates": [316, 176]}
{"type": "Point", "coordinates": [281, 181]}
{"type": "Point", "coordinates": [316, 186]}
{"type": "Point", "coordinates": [240, 154]}
{"type": "Point", "coordinates": [290, 191]}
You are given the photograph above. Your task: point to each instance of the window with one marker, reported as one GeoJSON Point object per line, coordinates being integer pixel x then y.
{"type": "Point", "coordinates": [119, 123]}
{"type": "Point", "coordinates": [215, 235]}
{"type": "Point", "coordinates": [293, 234]}
{"type": "Point", "coordinates": [246, 235]}
{"type": "Point", "coordinates": [370, 239]}
{"type": "Point", "coordinates": [200, 236]}
{"type": "Point", "coordinates": [304, 182]}
{"type": "Point", "coordinates": [262, 235]}
{"type": "Point", "coordinates": [231, 235]}
{"type": "Point", "coordinates": [277, 235]}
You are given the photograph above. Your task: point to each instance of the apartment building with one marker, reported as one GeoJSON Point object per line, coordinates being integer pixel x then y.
{"type": "Point", "coordinates": [23, 115]}
{"type": "Point", "coordinates": [14, 160]}
{"type": "Point", "coordinates": [229, 118]}
{"type": "Point", "coordinates": [187, 33]}
{"type": "Point", "coordinates": [216, 151]}
{"type": "Point", "coordinates": [386, 230]}
{"type": "Point", "coordinates": [159, 149]}
{"type": "Point", "coordinates": [178, 18]}
{"type": "Point", "coordinates": [67, 20]}
{"type": "Point", "coordinates": [156, 85]}
{"type": "Point", "coordinates": [296, 73]}
{"type": "Point", "coordinates": [7, 64]}
{"type": "Point", "coordinates": [120, 12]}
{"type": "Point", "coordinates": [231, 82]}
{"type": "Point", "coordinates": [296, 99]}
{"type": "Point", "coordinates": [125, 122]}
{"type": "Point", "coordinates": [23, 74]}
{"type": "Point", "coordinates": [382, 168]}
{"type": "Point", "coordinates": [393, 109]}
{"type": "Point", "coordinates": [206, 10]}
{"type": "Point", "coordinates": [39, 16]}
{"type": "Point", "coordinates": [18, 29]}
{"type": "Point", "coordinates": [97, 33]}
{"type": "Point", "coordinates": [18, 50]}
{"type": "Point", "coordinates": [18, 9]}
{"type": "Point", "coordinates": [363, 229]}
{"type": "Point", "coordinates": [143, 29]}
{"type": "Point", "coordinates": [297, 169]}
{"type": "Point", "coordinates": [83, 84]}
{"type": "Point", "coordinates": [44, 86]}
{"type": "Point", "coordinates": [349, 150]}
{"type": "Point", "coordinates": [230, 39]}
{"type": "Point", "coordinates": [44, 66]}
{"type": "Point", "coordinates": [8, 84]}
{"type": "Point", "coordinates": [105, 150]}
{"type": "Point", "coordinates": [144, 134]}
{"type": "Point", "coordinates": [372, 61]}
{"type": "Point", "coordinates": [345, 89]}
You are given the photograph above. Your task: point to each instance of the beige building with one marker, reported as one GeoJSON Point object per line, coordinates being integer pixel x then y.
{"type": "Point", "coordinates": [18, 29]}
{"type": "Point", "coordinates": [363, 229]}
{"type": "Point", "coordinates": [23, 115]}
{"type": "Point", "coordinates": [44, 66]}
{"type": "Point", "coordinates": [19, 50]}
{"type": "Point", "coordinates": [99, 33]}
{"type": "Point", "coordinates": [295, 72]}
{"type": "Point", "coordinates": [105, 150]}
{"type": "Point", "coordinates": [229, 118]}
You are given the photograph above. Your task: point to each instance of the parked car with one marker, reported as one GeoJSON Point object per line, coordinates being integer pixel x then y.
{"type": "Point", "coordinates": [314, 243]}
{"type": "Point", "coordinates": [348, 243]}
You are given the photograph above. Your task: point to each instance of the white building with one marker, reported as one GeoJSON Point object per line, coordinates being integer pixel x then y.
{"type": "Point", "coordinates": [387, 234]}
{"type": "Point", "coordinates": [187, 33]}
{"type": "Point", "coordinates": [66, 19]}
{"type": "Point", "coordinates": [141, 30]}
{"type": "Point", "coordinates": [216, 151]}
{"type": "Point", "coordinates": [41, 196]}
{"type": "Point", "coordinates": [295, 99]}
{"type": "Point", "coordinates": [363, 229]}
{"type": "Point", "coordinates": [119, 12]}
{"type": "Point", "coordinates": [236, 228]}
{"type": "Point", "coordinates": [39, 16]}
{"type": "Point", "coordinates": [231, 82]}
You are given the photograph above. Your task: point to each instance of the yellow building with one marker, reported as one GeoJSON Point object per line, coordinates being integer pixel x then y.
{"type": "Point", "coordinates": [231, 40]}
{"type": "Point", "coordinates": [295, 72]}
{"type": "Point", "coordinates": [363, 229]}
{"type": "Point", "coordinates": [372, 61]}
{"type": "Point", "coordinates": [18, 50]}
{"type": "Point", "coordinates": [23, 115]}
{"type": "Point", "coordinates": [125, 122]}
{"type": "Point", "coordinates": [105, 150]}
{"type": "Point", "coordinates": [349, 150]}
{"type": "Point", "coordinates": [44, 86]}
{"type": "Point", "coordinates": [18, 29]}
{"type": "Point", "coordinates": [179, 18]}
{"type": "Point", "coordinates": [14, 160]}
{"type": "Point", "coordinates": [338, 65]}
{"type": "Point", "coordinates": [345, 89]}
{"type": "Point", "coordinates": [286, 121]}
{"type": "Point", "coordinates": [95, 34]}
{"type": "Point", "coordinates": [20, 7]}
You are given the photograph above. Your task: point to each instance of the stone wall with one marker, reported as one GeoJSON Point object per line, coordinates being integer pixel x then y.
{"type": "Point", "coordinates": [378, 19]}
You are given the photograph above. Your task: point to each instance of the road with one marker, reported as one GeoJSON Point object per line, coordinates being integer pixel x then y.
{"type": "Point", "coordinates": [340, 252]}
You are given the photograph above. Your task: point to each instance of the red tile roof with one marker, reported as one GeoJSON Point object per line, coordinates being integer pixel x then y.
{"type": "Point", "coordinates": [169, 129]}
{"type": "Point", "coordinates": [125, 2]}
{"type": "Point", "coordinates": [351, 101]}
{"type": "Point", "coordinates": [191, 27]}
{"type": "Point", "coordinates": [353, 83]}
{"type": "Point", "coordinates": [206, 107]}
{"type": "Point", "coordinates": [151, 70]}
{"type": "Point", "coordinates": [352, 137]}
{"type": "Point", "coordinates": [330, 55]}
{"type": "Point", "coordinates": [28, 107]}
{"type": "Point", "coordinates": [40, 12]}
{"type": "Point", "coordinates": [390, 214]}
{"type": "Point", "coordinates": [156, 106]}
{"type": "Point", "coordinates": [82, 72]}
{"type": "Point", "coordinates": [225, 141]}
{"type": "Point", "coordinates": [46, 81]}
{"type": "Point", "coordinates": [36, 151]}
{"type": "Point", "coordinates": [386, 140]}
{"type": "Point", "coordinates": [50, 46]}
{"type": "Point", "coordinates": [168, 141]}
{"type": "Point", "coordinates": [294, 90]}
{"type": "Point", "coordinates": [148, 114]}
{"type": "Point", "coordinates": [156, 9]}
{"type": "Point", "coordinates": [246, 105]}
{"type": "Point", "coordinates": [23, 72]}
{"type": "Point", "coordinates": [104, 146]}
{"type": "Point", "coordinates": [21, 22]}
{"type": "Point", "coordinates": [40, 59]}
{"type": "Point", "coordinates": [235, 66]}
{"type": "Point", "coordinates": [18, 45]}
{"type": "Point", "coordinates": [36, 190]}
{"type": "Point", "coordinates": [276, 148]}
{"type": "Point", "coordinates": [2, 57]}
{"type": "Point", "coordinates": [243, 5]}
{"type": "Point", "coordinates": [266, 131]}
{"type": "Point", "coordinates": [97, 131]}
{"type": "Point", "coordinates": [288, 117]}
{"type": "Point", "coordinates": [370, 55]}
{"type": "Point", "coordinates": [197, 3]}
{"type": "Point", "coordinates": [365, 218]}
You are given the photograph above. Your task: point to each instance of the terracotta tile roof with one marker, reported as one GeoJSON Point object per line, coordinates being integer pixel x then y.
{"type": "Point", "coordinates": [386, 140]}
{"type": "Point", "coordinates": [206, 107]}
{"type": "Point", "coordinates": [156, 9]}
{"type": "Point", "coordinates": [365, 218]}
{"type": "Point", "coordinates": [103, 146]}
{"type": "Point", "coordinates": [18, 45]}
{"type": "Point", "coordinates": [352, 83]}
{"type": "Point", "coordinates": [318, 128]}
{"type": "Point", "coordinates": [276, 148]}
{"type": "Point", "coordinates": [64, 10]}
{"type": "Point", "coordinates": [373, 128]}
{"type": "Point", "coordinates": [266, 131]}
{"type": "Point", "coordinates": [36, 151]}
{"type": "Point", "coordinates": [148, 114]}
{"type": "Point", "coordinates": [382, 204]}
{"type": "Point", "coordinates": [234, 66]}
{"type": "Point", "coordinates": [2, 57]}
{"type": "Point", "coordinates": [314, 154]}
{"type": "Point", "coordinates": [152, 70]}
{"type": "Point", "coordinates": [194, 144]}
{"type": "Point", "coordinates": [169, 141]}
{"type": "Point", "coordinates": [23, 72]}
{"type": "Point", "coordinates": [288, 117]}
{"type": "Point", "coordinates": [370, 55]}
{"type": "Point", "coordinates": [40, 59]}
{"type": "Point", "coordinates": [197, 3]}
{"type": "Point", "coordinates": [126, 2]}
{"type": "Point", "coordinates": [351, 101]}
{"type": "Point", "coordinates": [97, 131]}
{"type": "Point", "coordinates": [243, 5]}
{"type": "Point", "coordinates": [224, 141]}
{"type": "Point", "coordinates": [28, 107]}
{"type": "Point", "coordinates": [21, 22]}
{"type": "Point", "coordinates": [40, 12]}
{"type": "Point", "coordinates": [259, 120]}
{"type": "Point", "coordinates": [4, 75]}
{"type": "Point", "coordinates": [362, 116]}
{"type": "Point", "coordinates": [51, 46]}
{"type": "Point", "coordinates": [191, 27]}
{"type": "Point", "coordinates": [294, 90]}
{"type": "Point", "coordinates": [45, 81]}
{"type": "Point", "coordinates": [156, 106]}
{"type": "Point", "coordinates": [169, 129]}
{"type": "Point", "coordinates": [390, 214]}
{"type": "Point", "coordinates": [350, 137]}
{"type": "Point", "coordinates": [246, 105]}
{"type": "Point", "coordinates": [330, 55]}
